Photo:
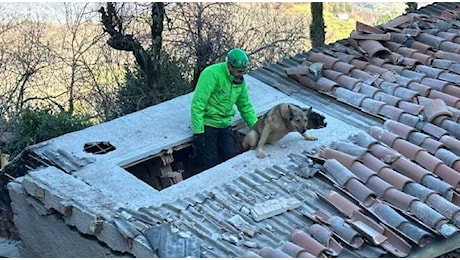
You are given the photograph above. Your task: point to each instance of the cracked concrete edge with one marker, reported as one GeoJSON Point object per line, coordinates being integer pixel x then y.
{"type": "Point", "coordinates": [38, 184]}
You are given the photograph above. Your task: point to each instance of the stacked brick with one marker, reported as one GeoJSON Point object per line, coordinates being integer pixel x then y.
{"type": "Point", "coordinates": [7, 227]}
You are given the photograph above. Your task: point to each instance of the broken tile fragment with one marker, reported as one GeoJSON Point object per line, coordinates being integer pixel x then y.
{"type": "Point", "coordinates": [273, 207]}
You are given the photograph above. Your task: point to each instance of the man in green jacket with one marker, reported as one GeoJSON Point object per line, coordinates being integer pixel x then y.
{"type": "Point", "coordinates": [220, 87]}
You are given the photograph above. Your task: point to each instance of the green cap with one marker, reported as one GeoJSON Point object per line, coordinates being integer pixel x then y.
{"type": "Point", "coordinates": [238, 58]}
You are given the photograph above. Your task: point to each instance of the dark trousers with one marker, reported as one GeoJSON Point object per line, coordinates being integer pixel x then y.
{"type": "Point", "coordinates": [219, 146]}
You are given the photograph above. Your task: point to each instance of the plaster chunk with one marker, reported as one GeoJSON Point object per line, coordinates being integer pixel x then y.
{"type": "Point", "coordinates": [273, 207]}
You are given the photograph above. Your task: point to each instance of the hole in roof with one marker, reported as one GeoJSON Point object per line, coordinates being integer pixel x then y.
{"type": "Point", "coordinates": [98, 147]}
{"type": "Point", "coordinates": [171, 166]}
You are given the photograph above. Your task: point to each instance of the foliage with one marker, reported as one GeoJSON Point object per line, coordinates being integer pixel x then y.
{"type": "Point", "coordinates": [68, 65]}
{"type": "Point", "coordinates": [35, 125]}
{"type": "Point", "coordinates": [337, 29]}
{"type": "Point", "coordinates": [132, 96]}
{"type": "Point", "coordinates": [411, 6]}
{"type": "Point", "coordinates": [200, 34]}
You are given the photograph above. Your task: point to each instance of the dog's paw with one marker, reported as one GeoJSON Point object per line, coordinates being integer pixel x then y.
{"type": "Point", "coordinates": [260, 154]}
{"type": "Point", "coordinates": [310, 137]}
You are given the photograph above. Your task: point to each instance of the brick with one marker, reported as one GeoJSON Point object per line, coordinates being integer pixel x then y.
{"type": "Point", "coordinates": [15, 236]}
{"type": "Point", "coordinates": [6, 225]}
{"type": "Point", "coordinates": [8, 215]}
{"type": "Point", "coordinates": [4, 233]}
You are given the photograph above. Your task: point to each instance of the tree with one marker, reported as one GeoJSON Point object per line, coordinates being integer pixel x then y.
{"type": "Point", "coordinates": [317, 25]}
{"type": "Point", "coordinates": [150, 85]}
{"type": "Point", "coordinates": [78, 38]}
{"type": "Point", "coordinates": [25, 55]}
{"type": "Point", "coordinates": [200, 34]}
{"type": "Point", "coordinates": [34, 125]}
{"type": "Point", "coordinates": [411, 6]}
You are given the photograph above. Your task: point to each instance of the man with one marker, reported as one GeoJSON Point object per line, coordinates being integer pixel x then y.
{"type": "Point", "coordinates": [219, 87]}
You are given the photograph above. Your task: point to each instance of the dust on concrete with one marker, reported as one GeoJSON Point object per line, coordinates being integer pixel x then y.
{"type": "Point", "coordinates": [9, 248]}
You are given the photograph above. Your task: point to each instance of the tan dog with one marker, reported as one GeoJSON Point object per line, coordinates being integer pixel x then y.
{"type": "Point", "coordinates": [278, 122]}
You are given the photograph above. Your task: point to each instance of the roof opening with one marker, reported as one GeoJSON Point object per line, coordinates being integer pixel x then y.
{"type": "Point", "coordinates": [170, 166]}
{"type": "Point", "coordinates": [98, 147]}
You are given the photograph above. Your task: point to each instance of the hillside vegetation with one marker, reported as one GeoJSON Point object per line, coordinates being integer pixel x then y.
{"type": "Point", "coordinates": [62, 66]}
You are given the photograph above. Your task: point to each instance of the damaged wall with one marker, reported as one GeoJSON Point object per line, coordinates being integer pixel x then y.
{"type": "Point", "coordinates": [59, 215]}
{"type": "Point", "coordinates": [75, 197]}
{"type": "Point", "coordinates": [49, 229]}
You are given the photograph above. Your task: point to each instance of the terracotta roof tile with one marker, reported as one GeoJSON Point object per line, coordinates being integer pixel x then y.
{"type": "Point", "coordinates": [325, 237]}
{"type": "Point", "coordinates": [308, 243]}
{"type": "Point", "coordinates": [396, 179]}
{"type": "Point", "coordinates": [399, 199]}
{"type": "Point", "coordinates": [409, 169]}
{"type": "Point", "coordinates": [379, 186]}
{"type": "Point", "coordinates": [410, 83]}
{"type": "Point", "coordinates": [295, 251]}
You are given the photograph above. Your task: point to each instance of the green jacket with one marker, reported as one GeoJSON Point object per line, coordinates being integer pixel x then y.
{"type": "Point", "coordinates": [214, 97]}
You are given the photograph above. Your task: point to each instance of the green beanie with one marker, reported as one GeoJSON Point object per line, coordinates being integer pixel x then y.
{"type": "Point", "coordinates": [238, 58]}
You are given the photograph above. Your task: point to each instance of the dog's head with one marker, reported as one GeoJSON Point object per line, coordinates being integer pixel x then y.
{"type": "Point", "coordinates": [316, 120]}
{"type": "Point", "coordinates": [298, 118]}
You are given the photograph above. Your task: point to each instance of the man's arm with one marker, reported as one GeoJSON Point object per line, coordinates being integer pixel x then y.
{"type": "Point", "coordinates": [203, 91]}
{"type": "Point", "coordinates": [245, 107]}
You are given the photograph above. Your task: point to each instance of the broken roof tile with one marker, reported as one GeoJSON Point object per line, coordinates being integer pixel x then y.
{"type": "Point", "coordinates": [324, 236]}
{"type": "Point", "coordinates": [346, 232]}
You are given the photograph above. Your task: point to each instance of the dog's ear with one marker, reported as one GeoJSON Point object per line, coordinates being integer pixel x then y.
{"type": "Point", "coordinates": [291, 112]}
{"type": "Point", "coordinates": [307, 110]}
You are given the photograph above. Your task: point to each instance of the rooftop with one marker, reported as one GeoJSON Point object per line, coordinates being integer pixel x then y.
{"type": "Point", "coordinates": [382, 179]}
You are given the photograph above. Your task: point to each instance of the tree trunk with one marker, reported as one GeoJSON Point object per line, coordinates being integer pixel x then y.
{"type": "Point", "coordinates": [317, 25]}
{"type": "Point", "coordinates": [148, 60]}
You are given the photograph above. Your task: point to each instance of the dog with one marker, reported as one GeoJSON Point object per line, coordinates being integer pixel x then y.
{"type": "Point", "coordinates": [278, 122]}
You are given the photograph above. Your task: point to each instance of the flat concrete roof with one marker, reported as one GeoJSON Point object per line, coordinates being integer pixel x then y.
{"type": "Point", "coordinates": [166, 125]}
